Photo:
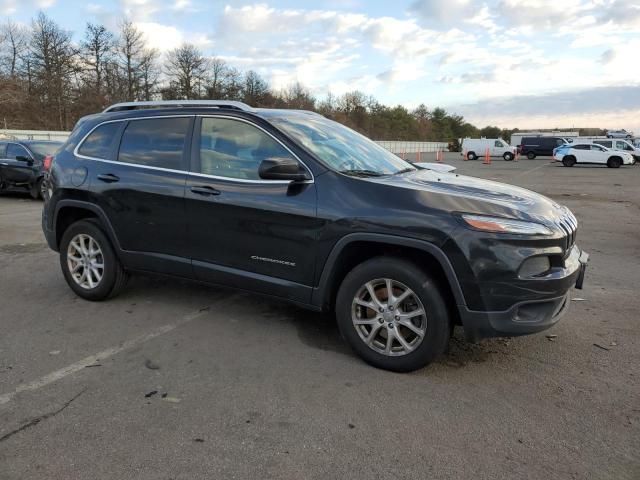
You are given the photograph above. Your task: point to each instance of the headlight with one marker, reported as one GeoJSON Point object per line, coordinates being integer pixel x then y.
{"type": "Point", "coordinates": [505, 225]}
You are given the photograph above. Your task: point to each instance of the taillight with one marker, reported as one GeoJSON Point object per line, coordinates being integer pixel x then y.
{"type": "Point", "coordinates": [48, 160]}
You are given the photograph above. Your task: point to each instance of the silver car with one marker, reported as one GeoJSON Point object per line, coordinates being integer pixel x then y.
{"type": "Point", "coordinates": [619, 134]}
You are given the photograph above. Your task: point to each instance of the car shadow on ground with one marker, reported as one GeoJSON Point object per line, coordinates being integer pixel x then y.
{"type": "Point", "coordinates": [317, 330]}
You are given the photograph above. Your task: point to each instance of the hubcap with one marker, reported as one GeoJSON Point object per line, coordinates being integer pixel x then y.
{"type": "Point", "coordinates": [389, 317]}
{"type": "Point", "coordinates": [85, 261]}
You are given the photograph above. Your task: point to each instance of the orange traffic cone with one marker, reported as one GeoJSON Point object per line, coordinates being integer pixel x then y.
{"type": "Point", "coordinates": [438, 156]}
{"type": "Point", "coordinates": [487, 157]}
{"type": "Point", "coordinates": [419, 156]}
{"type": "Point", "coordinates": [464, 155]}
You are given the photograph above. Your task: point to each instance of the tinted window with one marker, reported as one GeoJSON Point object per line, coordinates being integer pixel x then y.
{"type": "Point", "coordinates": [157, 142]}
{"type": "Point", "coordinates": [234, 149]}
{"type": "Point", "coordinates": [559, 141]}
{"type": "Point", "coordinates": [14, 150]}
{"type": "Point", "coordinates": [604, 143]}
{"type": "Point", "coordinates": [498, 143]}
{"type": "Point", "coordinates": [581, 147]}
{"type": "Point", "coordinates": [3, 148]}
{"type": "Point", "coordinates": [99, 143]}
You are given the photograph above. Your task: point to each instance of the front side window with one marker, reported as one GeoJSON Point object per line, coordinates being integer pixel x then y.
{"type": "Point", "coordinates": [156, 142]}
{"type": "Point", "coordinates": [498, 143]}
{"type": "Point", "coordinates": [339, 147]}
{"type": "Point", "coordinates": [14, 151]}
{"type": "Point", "coordinates": [235, 149]}
{"type": "Point", "coordinates": [99, 143]}
{"type": "Point", "coordinates": [559, 142]}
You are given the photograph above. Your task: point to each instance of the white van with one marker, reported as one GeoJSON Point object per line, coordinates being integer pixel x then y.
{"type": "Point", "coordinates": [477, 147]}
{"type": "Point", "coordinates": [619, 144]}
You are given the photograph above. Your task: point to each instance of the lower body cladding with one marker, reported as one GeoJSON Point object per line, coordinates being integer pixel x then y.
{"type": "Point", "coordinates": [529, 316]}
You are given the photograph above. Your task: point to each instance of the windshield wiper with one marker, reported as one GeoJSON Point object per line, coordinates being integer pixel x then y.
{"type": "Point", "coordinates": [405, 170]}
{"type": "Point", "coordinates": [362, 173]}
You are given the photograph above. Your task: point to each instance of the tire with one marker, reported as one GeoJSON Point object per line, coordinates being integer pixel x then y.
{"type": "Point", "coordinates": [113, 278]}
{"type": "Point", "coordinates": [568, 161]}
{"type": "Point", "coordinates": [471, 156]}
{"type": "Point", "coordinates": [508, 156]}
{"type": "Point", "coordinates": [531, 155]}
{"type": "Point", "coordinates": [628, 137]}
{"type": "Point", "coordinates": [614, 162]}
{"type": "Point", "coordinates": [36, 190]}
{"type": "Point", "coordinates": [425, 295]}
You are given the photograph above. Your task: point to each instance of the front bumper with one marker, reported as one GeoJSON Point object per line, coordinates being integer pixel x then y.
{"type": "Point", "coordinates": [528, 316]}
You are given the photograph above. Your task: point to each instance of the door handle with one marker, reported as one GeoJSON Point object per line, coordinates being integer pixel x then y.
{"type": "Point", "coordinates": [108, 177]}
{"type": "Point", "coordinates": [205, 190]}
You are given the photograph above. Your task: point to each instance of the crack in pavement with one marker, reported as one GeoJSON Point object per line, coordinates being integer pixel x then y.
{"type": "Point", "coordinates": [37, 420]}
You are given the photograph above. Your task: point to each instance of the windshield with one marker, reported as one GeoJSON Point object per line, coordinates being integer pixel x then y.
{"type": "Point", "coordinates": [339, 147]}
{"type": "Point", "coordinates": [42, 149]}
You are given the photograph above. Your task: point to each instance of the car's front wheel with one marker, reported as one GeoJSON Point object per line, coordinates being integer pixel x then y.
{"type": "Point", "coordinates": [614, 162]}
{"type": "Point", "coordinates": [393, 314]}
{"type": "Point", "coordinates": [89, 263]}
{"type": "Point", "coordinates": [531, 155]}
{"type": "Point", "coordinates": [508, 156]}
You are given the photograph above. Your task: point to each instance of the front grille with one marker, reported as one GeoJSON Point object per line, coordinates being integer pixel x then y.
{"type": "Point", "coordinates": [569, 226]}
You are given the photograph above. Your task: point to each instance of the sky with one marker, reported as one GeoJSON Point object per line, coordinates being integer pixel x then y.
{"type": "Point", "coordinates": [511, 63]}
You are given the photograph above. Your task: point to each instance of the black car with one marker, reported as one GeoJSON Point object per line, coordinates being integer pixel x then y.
{"type": "Point", "coordinates": [292, 205]}
{"type": "Point", "coordinates": [22, 164]}
{"type": "Point", "coordinates": [539, 146]}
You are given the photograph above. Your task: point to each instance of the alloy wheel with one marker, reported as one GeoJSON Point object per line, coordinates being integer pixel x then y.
{"type": "Point", "coordinates": [389, 317]}
{"type": "Point", "coordinates": [85, 261]}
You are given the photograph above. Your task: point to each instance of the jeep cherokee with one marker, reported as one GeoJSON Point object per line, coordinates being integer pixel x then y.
{"type": "Point", "coordinates": [292, 205]}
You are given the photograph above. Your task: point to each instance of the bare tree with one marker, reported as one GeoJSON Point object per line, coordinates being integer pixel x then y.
{"type": "Point", "coordinates": [186, 67]}
{"type": "Point", "coordinates": [297, 96]}
{"type": "Point", "coordinates": [256, 89]}
{"type": "Point", "coordinates": [149, 74]}
{"type": "Point", "coordinates": [97, 49]}
{"type": "Point", "coordinates": [14, 44]}
{"type": "Point", "coordinates": [53, 59]}
{"type": "Point", "coordinates": [131, 49]}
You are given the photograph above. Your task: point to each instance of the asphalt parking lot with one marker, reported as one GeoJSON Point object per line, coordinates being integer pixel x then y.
{"type": "Point", "coordinates": [247, 387]}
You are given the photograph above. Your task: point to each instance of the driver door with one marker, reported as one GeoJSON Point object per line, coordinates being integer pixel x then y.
{"type": "Point", "coordinates": [245, 231]}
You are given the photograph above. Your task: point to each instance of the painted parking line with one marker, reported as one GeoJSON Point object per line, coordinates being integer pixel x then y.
{"type": "Point", "coordinates": [104, 354]}
{"type": "Point", "coordinates": [520, 174]}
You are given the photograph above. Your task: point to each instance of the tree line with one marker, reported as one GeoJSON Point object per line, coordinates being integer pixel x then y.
{"type": "Point", "coordinates": [48, 81]}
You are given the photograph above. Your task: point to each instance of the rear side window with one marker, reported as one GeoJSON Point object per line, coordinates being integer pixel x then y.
{"type": "Point", "coordinates": [604, 143]}
{"type": "Point", "coordinates": [99, 143]}
{"type": "Point", "coordinates": [157, 142]}
{"type": "Point", "coordinates": [581, 147]}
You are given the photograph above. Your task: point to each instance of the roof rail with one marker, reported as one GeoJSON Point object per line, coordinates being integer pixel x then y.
{"type": "Point", "coordinates": [119, 107]}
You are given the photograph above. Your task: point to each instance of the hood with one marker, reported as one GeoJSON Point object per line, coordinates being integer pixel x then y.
{"type": "Point", "coordinates": [459, 193]}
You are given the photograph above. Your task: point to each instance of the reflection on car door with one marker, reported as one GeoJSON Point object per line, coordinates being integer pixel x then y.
{"type": "Point", "coordinates": [239, 223]}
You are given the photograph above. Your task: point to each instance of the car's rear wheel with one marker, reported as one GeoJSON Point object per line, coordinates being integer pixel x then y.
{"type": "Point", "coordinates": [393, 314]}
{"type": "Point", "coordinates": [531, 155]}
{"type": "Point", "coordinates": [568, 160]}
{"type": "Point", "coordinates": [508, 156]}
{"type": "Point", "coordinates": [614, 162]}
{"type": "Point", "coordinates": [471, 155]}
{"type": "Point", "coordinates": [36, 190]}
{"type": "Point", "coordinates": [89, 263]}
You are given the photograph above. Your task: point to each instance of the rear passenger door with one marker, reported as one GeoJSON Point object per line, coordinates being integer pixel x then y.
{"type": "Point", "coordinates": [244, 231]}
{"type": "Point", "coordinates": [140, 187]}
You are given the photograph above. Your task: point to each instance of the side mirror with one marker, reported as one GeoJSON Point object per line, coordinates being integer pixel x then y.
{"type": "Point", "coordinates": [22, 158]}
{"type": "Point", "coordinates": [278, 168]}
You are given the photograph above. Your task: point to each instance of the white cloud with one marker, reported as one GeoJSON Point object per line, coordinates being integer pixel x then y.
{"type": "Point", "coordinates": [162, 37]}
